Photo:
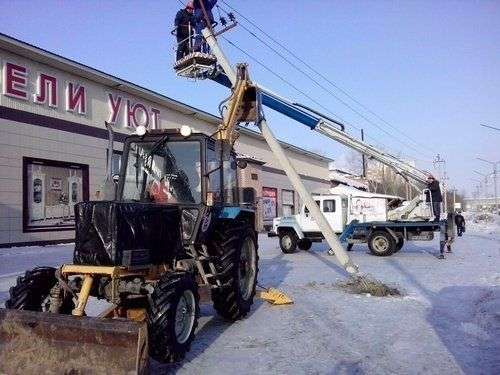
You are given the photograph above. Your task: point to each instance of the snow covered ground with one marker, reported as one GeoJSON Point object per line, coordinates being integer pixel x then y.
{"type": "Point", "coordinates": [447, 323]}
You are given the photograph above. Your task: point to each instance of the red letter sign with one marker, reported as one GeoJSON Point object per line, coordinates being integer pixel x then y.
{"type": "Point", "coordinates": [15, 80]}
{"type": "Point", "coordinates": [76, 98]}
{"type": "Point", "coordinates": [47, 89]}
{"type": "Point", "coordinates": [114, 105]}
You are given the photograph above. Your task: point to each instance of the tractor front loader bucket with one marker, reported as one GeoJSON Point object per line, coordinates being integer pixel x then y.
{"type": "Point", "coordinates": [43, 343]}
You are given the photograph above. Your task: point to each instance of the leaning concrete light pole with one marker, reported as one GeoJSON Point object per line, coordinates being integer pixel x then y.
{"type": "Point", "coordinates": [287, 166]}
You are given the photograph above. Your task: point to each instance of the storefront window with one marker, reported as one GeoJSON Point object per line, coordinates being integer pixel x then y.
{"type": "Point", "coordinates": [287, 202]}
{"type": "Point", "coordinates": [51, 190]}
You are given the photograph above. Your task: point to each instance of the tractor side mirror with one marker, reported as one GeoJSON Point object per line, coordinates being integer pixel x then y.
{"type": "Point", "coordinates": [242, 164]}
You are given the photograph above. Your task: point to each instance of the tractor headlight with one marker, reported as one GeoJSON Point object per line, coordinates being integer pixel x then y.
{"type": "Point", "coordinates": [186, 130]}
{"type": "Point", "coordinates": [189, 216]}
{"type": "Point", "coordinates": [140, 130]}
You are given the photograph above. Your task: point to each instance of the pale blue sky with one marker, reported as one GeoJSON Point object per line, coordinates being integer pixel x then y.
{"type": "Point", "coordinates": [429, 68]}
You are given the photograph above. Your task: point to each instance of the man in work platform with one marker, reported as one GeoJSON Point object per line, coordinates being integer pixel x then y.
{"type": "Point", "coordinates": [184, 21]}
{"type": "Point", "coordinates": [434, 196]}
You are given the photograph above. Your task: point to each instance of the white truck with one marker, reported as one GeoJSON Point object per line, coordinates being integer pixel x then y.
{"type": "Point", "coordinates": [358, 217]}
{"type": "Point", "coordinates": [339, 208]}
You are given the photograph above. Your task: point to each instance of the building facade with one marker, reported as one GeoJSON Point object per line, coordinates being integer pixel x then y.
{"type": "Point", "coordinates": [53, 143]}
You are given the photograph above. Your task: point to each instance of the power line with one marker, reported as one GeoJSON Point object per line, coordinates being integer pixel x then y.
{"type": "Point", "coordinates": [281, 78]}
{"type": "Point", "coordinates": [323, 77]}
{"type": "Point", "coordinates": [489, 126]}
{"type": "Point", "coordinates": [327, 90]}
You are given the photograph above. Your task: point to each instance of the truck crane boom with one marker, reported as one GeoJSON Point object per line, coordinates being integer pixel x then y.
{"type": "Point", "coordinates": [332, 129]}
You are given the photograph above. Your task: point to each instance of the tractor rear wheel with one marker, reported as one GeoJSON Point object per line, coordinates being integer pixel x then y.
{"type": "Point", "coordinates": [237, 266]}
{"type": "Point", "coordinates": [32, 292]}
{"type": "Point", "coordinates": [172, 316]}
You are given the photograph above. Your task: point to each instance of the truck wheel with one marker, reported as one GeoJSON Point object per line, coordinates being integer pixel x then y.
{"type": "Point", "coordinates": [237, 265]}
{"type": "Point", "coordinates": [399, 244]}
{"type": "Point", "coordinates": [381, 243]}
{"type": "Point", "coordinates": [304, 244]}
{"type": "Point", "coordinates": [288, 242]}
{"type": "Point", "coordinates": [172, 316]}
{"type": "Point", "coordinates": [32, 292]}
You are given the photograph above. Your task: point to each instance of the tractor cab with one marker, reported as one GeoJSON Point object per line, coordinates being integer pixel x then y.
{"type": "Point", "coordinates": [179, 169]}
{"type": "Point", "coordinates": [167, 167]}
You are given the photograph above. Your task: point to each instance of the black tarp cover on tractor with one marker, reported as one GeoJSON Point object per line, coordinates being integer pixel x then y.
{"type": "Point", "coordinates": [105, 230]}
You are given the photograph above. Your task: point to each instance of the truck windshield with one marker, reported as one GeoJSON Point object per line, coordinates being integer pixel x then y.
{"type": "Point", "coordinates": [165, 173]}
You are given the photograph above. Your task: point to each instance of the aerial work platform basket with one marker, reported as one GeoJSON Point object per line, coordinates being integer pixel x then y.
{"type": "Point", "coordinates": [197, 65]}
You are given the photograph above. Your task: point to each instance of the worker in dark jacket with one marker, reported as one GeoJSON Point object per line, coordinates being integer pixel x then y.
{"type": "Point", "coordinates": [435, 196]}
{"type": "Point", "coordinates": [184, 20]}
{"type": "Point", "coordinates": [460, 223]}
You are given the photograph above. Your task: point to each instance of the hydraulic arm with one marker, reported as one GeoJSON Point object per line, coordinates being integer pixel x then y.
{"type": "Point", "coordinates": [330, 128]}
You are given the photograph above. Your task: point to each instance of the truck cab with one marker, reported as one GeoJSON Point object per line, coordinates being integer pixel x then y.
{"type": "Point", "coordinates": [301, 229]}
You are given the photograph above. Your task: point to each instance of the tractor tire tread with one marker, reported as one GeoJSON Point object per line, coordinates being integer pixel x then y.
{"type": "Point", "coordinates": [161, 317]}
{"type": "Point", "coordinates": [31, 290]}
{"type": "Point", "coordinates": [227, 300]}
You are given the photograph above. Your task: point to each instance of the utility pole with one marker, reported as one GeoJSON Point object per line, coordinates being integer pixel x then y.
{"type": "Point", "coordinates": [475, 194]}
{"type": "Point", "coordinates": [363, 155]}
{"type": "Point", "coordinates": [484, 184]}
{"type": "Point", "coordinates": [495, 173]}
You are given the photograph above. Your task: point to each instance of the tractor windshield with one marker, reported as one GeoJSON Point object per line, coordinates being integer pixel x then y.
{"type": "Point", "coordinates": [164, 172]}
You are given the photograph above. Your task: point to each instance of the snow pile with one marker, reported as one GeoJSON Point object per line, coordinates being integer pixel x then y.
{"type": "Point", "coordinates": [485, 223]}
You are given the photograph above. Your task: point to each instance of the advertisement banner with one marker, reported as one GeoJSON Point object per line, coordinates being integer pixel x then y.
{"type": "Point", "coordinates": [269, 203]}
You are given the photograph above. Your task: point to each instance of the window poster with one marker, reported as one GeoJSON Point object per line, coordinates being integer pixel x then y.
{"type": "Point", "coordinates": [269, 203]}
{"type": "Point", "coordinates": [51, 191]}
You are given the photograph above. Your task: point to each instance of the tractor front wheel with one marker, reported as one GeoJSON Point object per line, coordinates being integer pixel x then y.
{"type": "Point", "coordinates": [32, 292]}
{"type": "Point", "coordinates": [237, 266]}
{"type": "Point", "coordinates": [172, 316]}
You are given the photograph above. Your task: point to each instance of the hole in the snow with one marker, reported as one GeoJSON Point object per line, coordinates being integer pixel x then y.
{"type": "Point", "coordinates": [369, 285]}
